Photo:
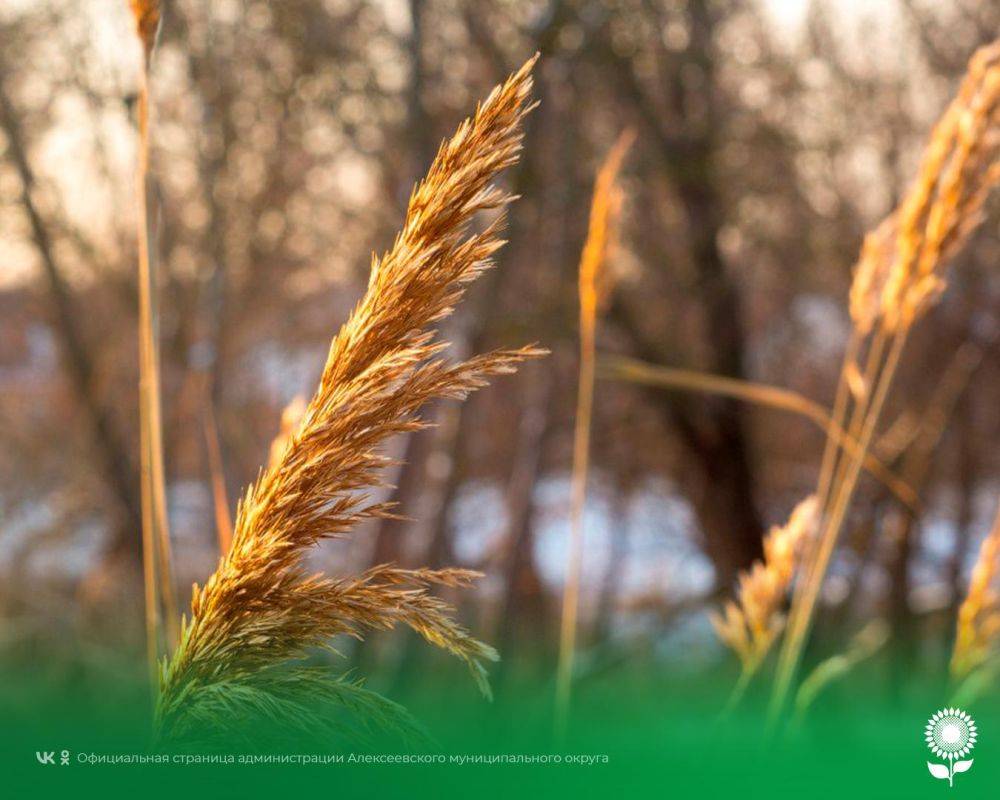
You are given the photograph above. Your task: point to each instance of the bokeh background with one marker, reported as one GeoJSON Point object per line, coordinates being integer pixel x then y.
{"type": "Point", "coordinates": [771, 134]}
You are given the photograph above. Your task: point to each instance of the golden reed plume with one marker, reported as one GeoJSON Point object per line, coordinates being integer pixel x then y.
{"type": "Point", "coordinates": [261, 610]}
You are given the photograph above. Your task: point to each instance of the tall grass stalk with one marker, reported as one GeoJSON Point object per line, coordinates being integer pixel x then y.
{"type": "Point", "coordinates": [593, 279]}
{"type": "Point", "coordinates": [157, 573]}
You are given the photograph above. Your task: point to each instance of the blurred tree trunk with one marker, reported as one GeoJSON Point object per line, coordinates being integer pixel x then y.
{"type": "Point", "coordinates": [727, 508]}
{"type": "Point", "coordinates": [456, 421]}
{"type": "Point", "coordinates": [113, 454]}
{"type": "Point", "coordinates": [405, 493]}
{"type": "Point", "coordinates": [717, 481]}
{"type": "Point", "coordinates": [459, 426]}
{"type": "Point", "coordinates": [722, 488]}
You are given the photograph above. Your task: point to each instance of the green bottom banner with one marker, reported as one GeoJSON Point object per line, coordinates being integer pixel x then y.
{"type": "Point", "coordinates": [626, 737]}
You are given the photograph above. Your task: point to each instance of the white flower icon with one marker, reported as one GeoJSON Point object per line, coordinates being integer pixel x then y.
{"type": "Point", "coordinates": [951, 734]}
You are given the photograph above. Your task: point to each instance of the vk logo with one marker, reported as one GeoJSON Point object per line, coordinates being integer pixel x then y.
{"type": "Point", "coordinates": [46, 758]}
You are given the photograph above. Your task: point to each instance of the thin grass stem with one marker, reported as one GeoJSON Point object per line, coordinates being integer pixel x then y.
{"type": "Point", "coordinates": [581, 459]}
{"type": "Point", "coordinates": [156, 533]}
{"type": "Point", "coordinates": [762, 394]}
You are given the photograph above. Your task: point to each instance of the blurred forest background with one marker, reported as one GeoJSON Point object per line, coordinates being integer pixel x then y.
{"type": "Point", "coordinates": [771, 135]}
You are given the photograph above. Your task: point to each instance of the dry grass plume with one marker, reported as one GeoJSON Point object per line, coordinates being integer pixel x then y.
{"type": "Point", "coordinates": [261, 611]}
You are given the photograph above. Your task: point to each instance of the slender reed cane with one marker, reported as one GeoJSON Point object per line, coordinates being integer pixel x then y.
{"type": "Point", "coordinates": [155, 533]}
{"type": "Point", "coordinates": [603, 213]}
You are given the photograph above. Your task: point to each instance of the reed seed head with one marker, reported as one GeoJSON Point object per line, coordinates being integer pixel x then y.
{"type": "Point", "coordinates": [147, 22]}
{"type": "Point", "coordinates": [901, 269]}
{"type": "Point", "coordinates": [752, 623]}
{"type": "Point", "coordinates": [261, 610]}
{"type": "Point", "coordinates": [605, 210]}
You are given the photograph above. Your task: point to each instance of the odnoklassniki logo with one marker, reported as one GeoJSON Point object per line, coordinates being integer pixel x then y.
{"type": "Point", "coordinates": [951, 734]}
